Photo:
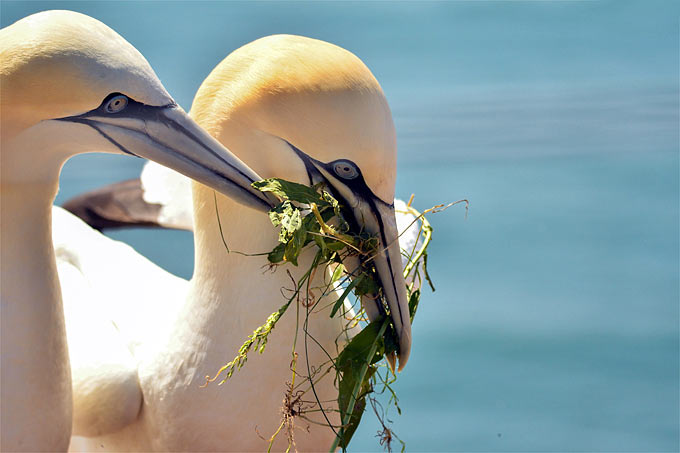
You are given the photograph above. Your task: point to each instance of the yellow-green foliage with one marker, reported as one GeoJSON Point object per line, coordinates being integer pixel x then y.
{"type": "Point", "coordinates": [359, 370]}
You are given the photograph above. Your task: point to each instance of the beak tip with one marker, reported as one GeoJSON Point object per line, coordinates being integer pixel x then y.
{"type": "Point", "coordinates": [402, 363]}
{"type": "Point", "coordinates": [392, 361]}
{"type": "Point", "coordinates": [404, 348]}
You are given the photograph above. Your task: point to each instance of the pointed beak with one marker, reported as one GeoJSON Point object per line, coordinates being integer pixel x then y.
{"type": "Point", "coordinates": [366, 212]}
{"type": "Point", "coordinates": [167, 135]}
{"type": "Point", "coordinates": [378, 218]}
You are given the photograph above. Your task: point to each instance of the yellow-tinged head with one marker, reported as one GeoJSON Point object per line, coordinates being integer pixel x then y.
{"type": "Point", "coordinates": [308, 111]}
{"type": "Point", "coordinates": [313, 94]}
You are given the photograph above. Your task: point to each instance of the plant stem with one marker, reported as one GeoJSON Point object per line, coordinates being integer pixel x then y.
{"type": "Point", "coordinates": [427, 237]}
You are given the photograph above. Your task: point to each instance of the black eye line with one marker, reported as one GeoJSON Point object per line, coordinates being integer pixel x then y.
{"type": "Point", "coordinates": [130, 103]}
{"type": "Point", "coordinates": [361, 189]}
{"type": "Point", "coordinates": [358, 185]}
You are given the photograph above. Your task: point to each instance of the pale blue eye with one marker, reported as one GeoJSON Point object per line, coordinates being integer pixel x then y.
{"type": "Point", "coordinates": [345, 169]}
{"type": "Point", "coordinates": [116, 103]}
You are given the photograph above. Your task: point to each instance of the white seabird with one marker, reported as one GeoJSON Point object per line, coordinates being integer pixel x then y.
{"type": "Point", "coordinates": [70, 85]}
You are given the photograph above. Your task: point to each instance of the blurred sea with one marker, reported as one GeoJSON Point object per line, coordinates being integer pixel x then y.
{"type": "Point", "coordinates": [555, 324]}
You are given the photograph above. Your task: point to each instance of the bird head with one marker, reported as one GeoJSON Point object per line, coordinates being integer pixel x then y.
{"type": "Point", "coordinates": [308, 111]}
{"type": "Point", "coordinates": [69, 84]}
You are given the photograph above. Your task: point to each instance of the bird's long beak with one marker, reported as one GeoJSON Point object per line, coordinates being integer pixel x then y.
{"type": "Point", "coordinates": [366, 212]}
{"type": "Point", "coordinates": [378, 218]}
{"type": "Point", "coordinates": [167, 135]}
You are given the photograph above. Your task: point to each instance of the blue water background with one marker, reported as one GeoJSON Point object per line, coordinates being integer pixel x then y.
{"type": "Point", "coordinates": [555, 324]}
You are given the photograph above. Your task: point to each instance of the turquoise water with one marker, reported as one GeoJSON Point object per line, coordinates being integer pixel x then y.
{"type": "Point", "coordinates": [555, 324]}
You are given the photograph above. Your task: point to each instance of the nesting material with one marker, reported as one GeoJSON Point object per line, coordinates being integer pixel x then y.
{"type": "Point", "coordinates": [362, 366]}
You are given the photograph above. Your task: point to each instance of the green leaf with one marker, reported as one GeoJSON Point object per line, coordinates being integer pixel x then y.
{"type": "Point", "coordinates": [320, 243]}
{"type": "Point", "coordinates": [337, 273]}
{"type": "Point", "coordinates": [359, 406]}
{"type": "Point", "coordinates": [354, 365]}
{"type": "Point", "coordinates": [368, 286]}
{"type": "Point", "coordinates": [345, 293]}
{"type": "Point", "coordinates": [276, 255]}
{"type": "Point", "coordinates": [289, 190]}
{"type": "Point", "coordinates": [310, 223]}
{"type": "Point", "coordinates": [334, 245]}
{"type": "Point", "coordinates": [294, 246]}
{"type": "Point", "coordinates": [390, 342]}
{"type": "Point", "coordinates": [356, 351]}
{"type": "Point", "coordinates": [280, 211]}
{"type": "Point", "coordinates": [290, 224]}
{"type": "Point", "coordinates": [288, 217]}
{"type": "Point", "coordinates": [413, 303]}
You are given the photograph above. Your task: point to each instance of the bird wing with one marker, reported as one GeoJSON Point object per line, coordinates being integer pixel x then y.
{"type": "Point", "coordinates": [160, 198]}
{"type": "Point", "coordinates": [113, 297]}
{"type": "Point", "coordinates": [119, 205]}
{"type": "Point", "coordinates": [172, 192]}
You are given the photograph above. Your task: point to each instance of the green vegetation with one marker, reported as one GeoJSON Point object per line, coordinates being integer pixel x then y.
{"type": "Point", "coordinates": [311, 217]}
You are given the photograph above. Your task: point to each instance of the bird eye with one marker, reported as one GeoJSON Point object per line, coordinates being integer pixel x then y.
{"type": "Point", "coordinates": [345, 169]}
{"type": "Point", "coordinates": [116, 103]}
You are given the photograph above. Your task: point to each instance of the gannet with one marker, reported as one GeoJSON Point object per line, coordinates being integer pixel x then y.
{"type": "Point", "coordinates": [69, 85]}
{"type": "Point", "coordinates": [290, 107]}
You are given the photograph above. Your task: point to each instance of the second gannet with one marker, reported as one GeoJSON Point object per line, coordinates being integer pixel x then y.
{"type": "Point", "coordinates": [295, 108]}
{"type": "Point", "coordinates": [70, 85]}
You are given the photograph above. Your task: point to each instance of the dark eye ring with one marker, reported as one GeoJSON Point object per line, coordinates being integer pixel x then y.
{"type": "Point", "coordinates": [345, 170]}
{"type": "Point", "coordinates": [116, 103]}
